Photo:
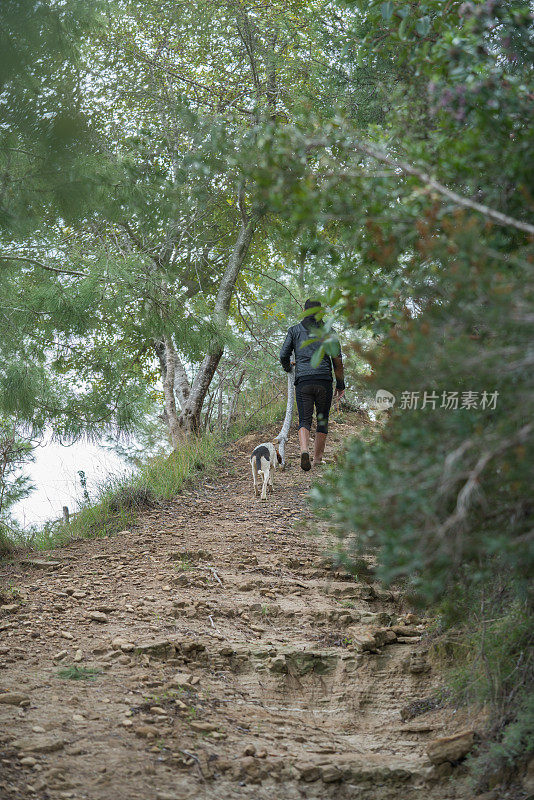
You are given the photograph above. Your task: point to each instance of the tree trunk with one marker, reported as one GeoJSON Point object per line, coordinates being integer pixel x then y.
{"type": "Point", "coordinates": [207, 415]}
{"type": "Point", "coordinates": [190, 414]}
{"type": "Point", "coordinates": [220, 406]}
{"type": "Point", "coordinates": [233, 402]}
{"type": "Point", "coordinates": [168, 389]}
{"type": "Point", "coordinates": [182, 387]}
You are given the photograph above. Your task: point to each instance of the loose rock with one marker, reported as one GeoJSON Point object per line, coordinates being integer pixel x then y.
{"type": "Point", "coordinates": [180, 679]}
{"type": "Point", "coordinates": [40, 744]}
{"type": "Point", "coordinates": [451, 748]}
{"type": "Point", "coordinates": [203, 727]}
{"type": "Point", "coordinates": [97, 616]}
{"type": "Point", "coordinates": [13, 698]}
{"type": "Point", "coordinates": [308, 772]}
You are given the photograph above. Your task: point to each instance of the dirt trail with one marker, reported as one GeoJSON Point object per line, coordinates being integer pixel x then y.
{"type": "Point", "coordinates": [229, 661]}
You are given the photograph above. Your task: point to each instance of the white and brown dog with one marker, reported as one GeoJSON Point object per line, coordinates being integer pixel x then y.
{"type": "Point", "coordinates": [263, 460]}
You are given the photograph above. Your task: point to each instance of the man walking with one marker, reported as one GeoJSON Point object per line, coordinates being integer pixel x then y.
{"type": "Point", "coordinates": [313, 385]}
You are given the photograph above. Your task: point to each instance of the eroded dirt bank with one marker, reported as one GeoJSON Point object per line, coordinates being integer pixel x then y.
{"type": "Point", "coordinates": [229, 661]}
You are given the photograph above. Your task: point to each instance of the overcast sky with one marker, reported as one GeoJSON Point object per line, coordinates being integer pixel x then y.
{"type": "Point", "coordinates": [54, 473]}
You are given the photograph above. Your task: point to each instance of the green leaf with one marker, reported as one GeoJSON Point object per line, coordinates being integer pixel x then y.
{"type": "Point", "coordinates": [317, 357]}
{"type": "Point", "coordinates": [422, 26]}
{"type": "Point", "coordinates": [386, 9]}
{"type": "Point", "coordinates": [402, 29]}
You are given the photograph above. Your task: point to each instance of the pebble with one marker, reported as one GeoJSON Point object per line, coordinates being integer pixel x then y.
{"type": "Point", "coordinates": [78, 656]}
{"type": "Point", "coordinates": [203, 727]}
{"type": "Point", "coordinates": [97, 616]}
{"type": "Point", "coordinates": [146, 731]}
{"type": "Point", "coordinates": [28, 761]}
{"type": "Point", "coordinates": [181, 679]}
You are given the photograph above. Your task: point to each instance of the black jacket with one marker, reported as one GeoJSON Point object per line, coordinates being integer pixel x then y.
{"type": "Point", "coordinates": [296, 335]}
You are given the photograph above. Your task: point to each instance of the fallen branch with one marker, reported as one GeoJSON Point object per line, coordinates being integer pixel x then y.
{"type": "Point", "coordinates": [214, 573]}
{"type": "Point", "coordinates": [213, 625]}
{"type": "Point", "coordinates": [195, 758]}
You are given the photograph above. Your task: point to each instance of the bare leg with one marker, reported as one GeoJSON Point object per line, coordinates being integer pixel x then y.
{"type": "Point", "coordinates": [320, 441]}
{"type": "Point", "coordinates": [304, 441]}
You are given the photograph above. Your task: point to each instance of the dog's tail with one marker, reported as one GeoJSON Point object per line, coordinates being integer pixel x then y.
{"type": "Point", "coordinates": [258, 462]}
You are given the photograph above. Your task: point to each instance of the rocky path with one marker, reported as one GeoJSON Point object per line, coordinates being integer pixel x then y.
{"type": "Point", "coordinates": [211, 652]}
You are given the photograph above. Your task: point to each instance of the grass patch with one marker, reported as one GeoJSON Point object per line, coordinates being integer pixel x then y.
{"type": "Point", "coordinates": [184, 565]}
{"type": "Point", "coordinates": [6, 545]}
{"type": "Point", "coordinates": [75, 673]}
{"type": "Point", "coordinates": [488, 662]}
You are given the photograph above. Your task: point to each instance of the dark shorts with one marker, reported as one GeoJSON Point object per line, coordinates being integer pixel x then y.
{"type": "Point", "coordinates": [309, 395]}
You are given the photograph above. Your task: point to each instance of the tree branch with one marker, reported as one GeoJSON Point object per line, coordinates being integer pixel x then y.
{"type": "Point", "coordinates": [241, 203]}
{"type": "Point", "coordinates": [463, 501]}
{"type": "Point", "coordinates": [8, 257]}
{"type": "Point", "coordinates": [264, 275]}
{"type": "Point", "coordinates": [464, 202]}
{"type": "Point", "coordinates": [261, 346]}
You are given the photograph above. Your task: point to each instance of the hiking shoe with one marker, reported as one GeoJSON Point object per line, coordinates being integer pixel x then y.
{"type": "Point", "coordinates": [305, 462]}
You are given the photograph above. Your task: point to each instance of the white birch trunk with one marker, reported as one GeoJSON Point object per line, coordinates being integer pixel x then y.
{"type": "Point", "coordinates": [168, 390]}
{"type": "Point", "coordinates": [182, 387]}
{"type": "Point", "coordinates": [284, 433]}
